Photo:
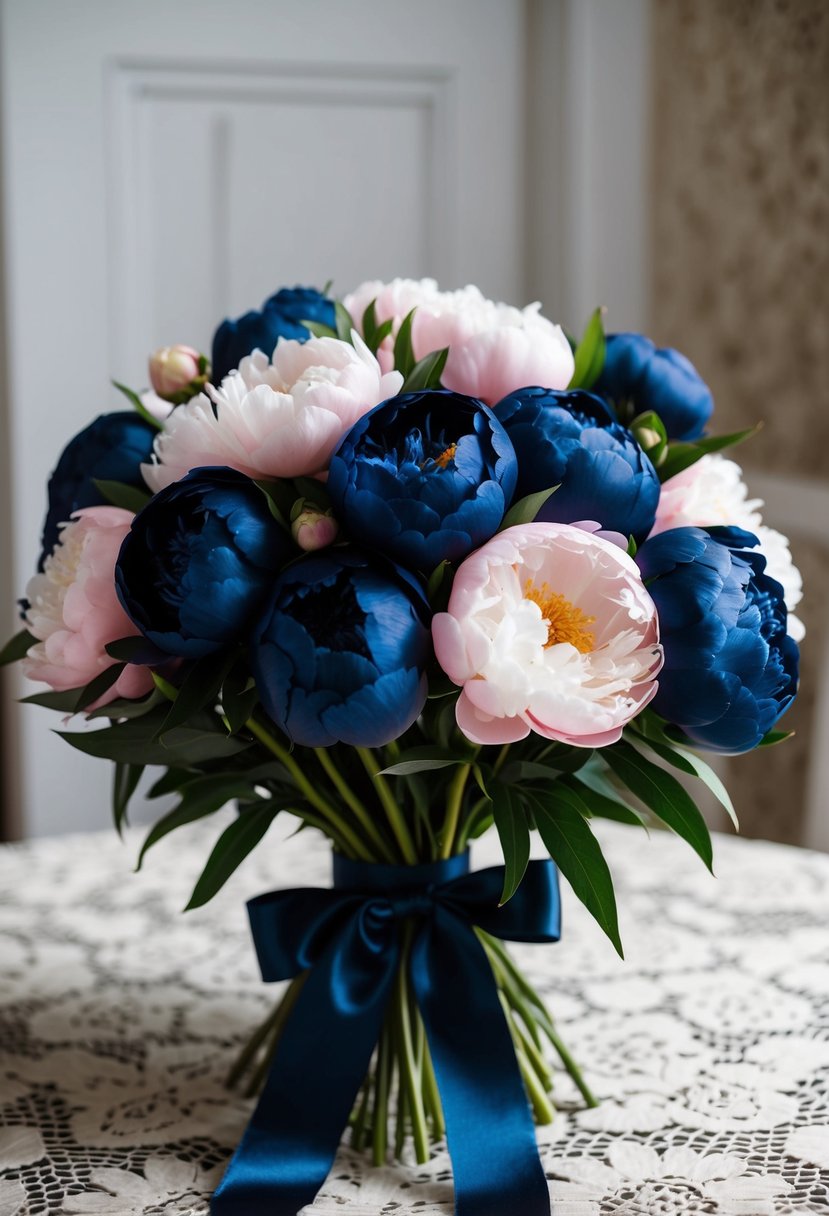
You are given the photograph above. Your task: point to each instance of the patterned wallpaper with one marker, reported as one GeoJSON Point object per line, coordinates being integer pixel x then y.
{"type": "Point", "coordinates": [740, 266]}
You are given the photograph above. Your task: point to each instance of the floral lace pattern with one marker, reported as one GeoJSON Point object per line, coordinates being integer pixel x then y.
{"type": "Point", "coordinates": [709, 1046]}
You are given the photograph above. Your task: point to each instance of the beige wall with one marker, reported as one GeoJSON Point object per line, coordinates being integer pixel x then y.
{"type": "Point", "coordinates": [740, 278]}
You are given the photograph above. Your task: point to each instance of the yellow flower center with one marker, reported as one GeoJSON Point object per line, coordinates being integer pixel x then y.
{"type": "Point", "coordinates": [565, 622]}
{"type": "Point", "coordinates": [447, 455]}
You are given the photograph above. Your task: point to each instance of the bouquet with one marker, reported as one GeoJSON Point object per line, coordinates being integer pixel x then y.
{"type": "Point", "coordinates": [409, 567]}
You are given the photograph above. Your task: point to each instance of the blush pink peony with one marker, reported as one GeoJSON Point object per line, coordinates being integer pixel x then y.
{"type": "Point", "coordinates": [549, 628]}
{"type": "Point", "coordinates": [493, 348]}
{"type": "Point", "coordinates": [74, 610]}
{"type": "Point", "coordinates": [274, 418]}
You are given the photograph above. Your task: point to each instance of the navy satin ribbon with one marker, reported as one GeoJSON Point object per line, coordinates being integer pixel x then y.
{"type": "Point", "coordinates": [348, 939]}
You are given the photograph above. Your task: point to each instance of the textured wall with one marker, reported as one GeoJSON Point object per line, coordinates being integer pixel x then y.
{"type": "Point", "coordinates": [740, 260]}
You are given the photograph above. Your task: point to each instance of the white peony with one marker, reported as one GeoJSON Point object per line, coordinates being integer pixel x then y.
{"type": "Point", "coordinates": [712, 493]}
{"type": "Point", "coordinates": [279, 418]}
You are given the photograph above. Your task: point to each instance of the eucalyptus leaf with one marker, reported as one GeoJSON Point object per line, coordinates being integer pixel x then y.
{"type": "Point", "coordinates": [525, 510]}
{"type": "Point", "coordinates": [514, 834]}
{"type": "Point", "coordinates": [663, 795]}
{"type": "Point", "coordinates": [575, 850]}
{"type": "Point", "coordinates": [17, 647]}
{"type": "Point", "coordinates": [231, 849]}
{"type": "Point", "coordinates": [128, 498]}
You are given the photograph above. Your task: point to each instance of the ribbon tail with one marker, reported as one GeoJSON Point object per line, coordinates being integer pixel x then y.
{"type": "Point", "coordinates": [489, 1125]}
{"type": "Point", "coordinates": [323, 1056]}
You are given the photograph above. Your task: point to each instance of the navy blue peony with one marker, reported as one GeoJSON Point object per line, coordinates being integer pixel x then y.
{"type": "Point", "coordinates": [340, 651]}
{"type": "Point", "coordinates": [281, 317]}
{"type": "Point", "coordinates": [638, 377]}
{"type": "Point", "coordinates": [573, 441]}
{"type": "Point", "coordinates": [199, 562]}
{"type": "Point", "coordinates": [424, 477]}
{"type": "Point", "coordinates": [730, 669]}
{"type": "Point", "coordinates": [112, 448]}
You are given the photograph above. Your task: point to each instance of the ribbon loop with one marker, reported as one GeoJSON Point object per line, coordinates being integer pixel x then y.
{"type": "Point", "coordinates": [348, 940]}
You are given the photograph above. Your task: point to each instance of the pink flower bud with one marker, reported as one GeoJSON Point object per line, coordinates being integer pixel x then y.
{"type": "Point", "coordinates": [314, 529]}
{"type": "Point", "coordinates": [177, 373]}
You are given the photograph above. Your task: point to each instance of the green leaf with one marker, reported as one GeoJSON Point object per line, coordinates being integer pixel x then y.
{"type": "Point", "coordinates": [649, 431]}
{"type": "Point", "coordinates": [404, 359]}
{"type": "Point", "coordinates": [136, 742]}
{"type": "Point", "coordinates": [134, 649]}
{"type": "Point", "coordinates": [688, 761]}
{"type": "Point", "coordinates": [124, 708]}
{"type": "Point", "coordinates": [137, 404]}
{"type": "Point", "coordinates": [280, 497]}
{"type": "Point", "coordinates": [514, 834]}
{"type": "Point", "coordinates": [314, 491]}
{"type": "Point", "coordinates": [231, 849]}
{"type": "Point", "coordinates": [129, 498]}
{"type": "Point", "coordinates": [590, 353]}
{"type": "Point", "coordinates": [426, 373]}
{"type": "Point", "coordinates": [318, 330]}
{"type": "Point", "coordinates": [98, 686]}
{"type": "Point", "coordinates": [199, 797]}
{"type": "Point", "coordinates": [199, 690]}
{"type": "Point", "coordinates": [663, 795]}
{"type": "Point", "coordinates": [373, 334]}
{"type": "Point", "coordinates": [125, 778]}
{"type": "Point", "coordinates": [344, 322]}
{"type": "Point", "coordinates": [404, 767]}
{"type": "Point", "coordinates": [17, 647]}
{"type": "Point", "coordinates": [525, 510]}
{"type": "Point", "coordinates": [772, 737]}
{"type": "Point", "coordinates": [575, 850]}
{"type": "Point", "coordinates": [170, 782]}
{"type": "Point", "coordinates": [682, 455]}
{"type": "Point", "coordinates": [64, 702]}
{"type": "Point", "coordinates": [239, 697]}
{"type": "Point", "coordinates": [603, 807]}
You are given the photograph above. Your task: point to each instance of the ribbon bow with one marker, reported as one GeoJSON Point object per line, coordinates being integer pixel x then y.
{"type": "Point", "coordinates": [349, 941]}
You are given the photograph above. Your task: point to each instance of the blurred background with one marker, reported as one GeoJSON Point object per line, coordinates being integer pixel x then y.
{"type": "Point", "coordinates": [165, 165]}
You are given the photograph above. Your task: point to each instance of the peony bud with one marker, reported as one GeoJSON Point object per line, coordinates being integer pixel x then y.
{"type": "Point", "coordinates": [177, 373]}
{"type": "Point", "coordinates": [312, 528]}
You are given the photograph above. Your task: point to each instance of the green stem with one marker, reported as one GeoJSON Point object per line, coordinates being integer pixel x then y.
{"type": "Point", "coordinates": [283, 1012]}
{"type": "Point", "coordinates": [543, 1108]}
{"type": "Point", "coordinates": [499, 759]}
{"type": "Point", "coordinates": [246, 1055]}
{"type": "Point", "coordinates": [393, 812]}
{"type": "Point", "coordinates": [454, 802]}
{"type": "Point", "coordinates": [350, 799]}
{"type": "Point", "coordinates": [358, 1132]}
{"type": "Point", "coordinates": [543, 1018]}
{"type": "Point", "coordinates": [382, 1084]}
{"type": "Point", "coordinates": [305, 787]}
{"type": "Point", "coordinates": [431, 1096]}
{"type": "Point", "coordinates": [409, 1075]}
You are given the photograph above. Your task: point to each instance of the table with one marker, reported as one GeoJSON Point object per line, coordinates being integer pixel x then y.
{"type": "Point", "coordinates": [709, 1046]}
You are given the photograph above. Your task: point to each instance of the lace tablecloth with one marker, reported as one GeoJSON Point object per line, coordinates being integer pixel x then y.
{"type": "Point", "coordinates": [709, 1046]}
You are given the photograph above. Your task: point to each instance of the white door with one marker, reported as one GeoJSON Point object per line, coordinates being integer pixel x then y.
{"type": "Point", "coordinates": [165, 165]}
